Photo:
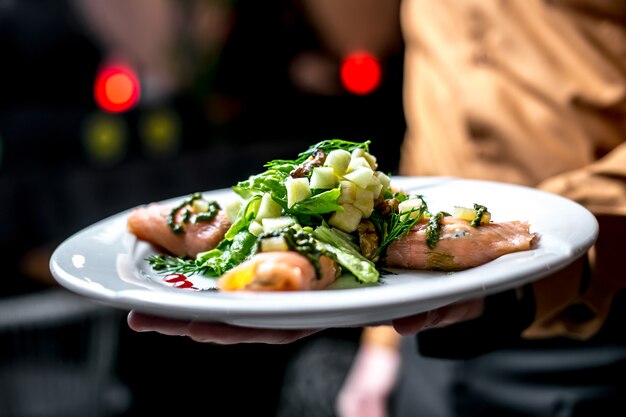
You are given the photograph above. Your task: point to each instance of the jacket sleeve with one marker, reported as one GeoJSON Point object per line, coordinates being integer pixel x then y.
{"type": "Point", "coordinates": [576, 304]}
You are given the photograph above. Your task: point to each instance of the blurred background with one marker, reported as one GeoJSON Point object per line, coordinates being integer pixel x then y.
{"type": "Point", "coordinates": [109, 104]}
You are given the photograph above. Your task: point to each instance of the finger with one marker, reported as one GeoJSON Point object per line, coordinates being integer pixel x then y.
{"type": "Point", "coordinates": [441, 317]}
{"type": "Point", "coordinates": [458, 312]}
{"type": "Point", "coordinates": [209, 332]}
{"type": "Point", "coordinates": [140, 322]}
{"type": "Point", "coordinates": [226, 334]}
{"type": "Point", "coordinates": [411, 324]}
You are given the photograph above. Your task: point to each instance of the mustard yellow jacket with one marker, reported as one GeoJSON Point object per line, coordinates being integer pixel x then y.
{"type": "Point", "coordinates": [530, 92]}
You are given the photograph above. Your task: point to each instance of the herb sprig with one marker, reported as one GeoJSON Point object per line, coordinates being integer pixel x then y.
{"type": "Point", "coordinates": [325, 145]}
{"type": "Point", "coordinates": [174, 265]}
{"type": "Point", "coordinates": [396, 225]}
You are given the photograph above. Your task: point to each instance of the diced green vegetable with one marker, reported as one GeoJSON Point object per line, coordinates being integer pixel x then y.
{"type": "Point", "coordinates": [323, 178]}
{"type": "Point", "coordinates": [339, 160]}
{"type": "Point", "coordinates": [271, 224]}
{"type": "Point", "coordinates": [256, 228]}
{"type": "Point", "coordinates": [470, 215]}
{"type": "Point", "coordinates": [274, 243]}
{"type": "Point", "coordinates": [384, 180]}
{"type": "Point", "coordinates": [359, 162]}
{"type": "Point", "coordinates": [348, 192]}
{"type": "Point", "coordinates": [232, 207]}
{"type": "Point", "coordinates": [298, 189]}
{"type": "Point", "coordinates": [361, 176]}
{"type": "Point", "coordinates": [408, 205]}
{"type": "Point", "coordinates": [362, 153]}
{"type": "Point", "coordinates": [376, 189]}
{"type": "Point", "coordinates": [346, 220]}
{"type": "Point", "coordinates": [364, 201]}
{"type": "Point", "coordinates": [200, 205]}
{"type": "Point", "coordinates": [268, 208]}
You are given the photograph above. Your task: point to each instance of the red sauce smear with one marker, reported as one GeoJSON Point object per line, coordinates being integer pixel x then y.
{"type": "Point", "coordinates": [179, 281]}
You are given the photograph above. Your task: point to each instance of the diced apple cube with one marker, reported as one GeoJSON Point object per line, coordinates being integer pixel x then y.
{"type": "Point", "coordinates": [358, 162]}
{"type": "Point", "coordinates": [346, 220]}
{"type": "Point", "coordinates": [469, 214]}
{"type": "Point", "coordinates": [255, 228]}
{"type": "Point", "coordinates": [376, 189]}
{"type": "Point", "coordinates": [232, 207]}
{"type": "Point", "coordinates": [276, 223]}
{"type": "Point", "coordinates": [410, 204]}
{"type": "Point", "coordinates": [357, 152]}
{"type": "Point", "coordinates": [360, 176]}
{"type": "Point", "coordinates": [200, 205]}
{"type": "Point", "coordinates": [338, 159]}
{"type": "Point", "coordinates": [268, 208]}
{"type": "Point", "coordinates": [348, 192]}
{"type": "Point", "coordinates": [464, 213]}
{"type": "Point", "coordinates": [364, 201]}
{"type": "Point", "coordinates": [298, 189]}
{"type": "Point", "coordinates": [371, 159]}
{"type": "Point", "coordinates": [274, 243]}
{"type": "Point", "coordinates": [375, 186]}
{"type": "Point", "coordinates": [323, 177]}
{"type": "Point", "coordinates": [383, 179]}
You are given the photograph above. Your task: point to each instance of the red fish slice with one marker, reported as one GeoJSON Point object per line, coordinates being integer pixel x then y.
{"type": "Point", "coordinates": [150, 223]}
{"type": "Point", "coordinates": [460, 245]}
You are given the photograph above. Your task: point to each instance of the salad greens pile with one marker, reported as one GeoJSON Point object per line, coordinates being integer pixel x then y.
{"type": "Point", "coordinates": [315, 205]}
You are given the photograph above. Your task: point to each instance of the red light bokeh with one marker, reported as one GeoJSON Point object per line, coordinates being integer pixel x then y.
{"type": "Point", "coordinates": [116, 88]}
{"type": "Point", "coordinates": [360, 73]}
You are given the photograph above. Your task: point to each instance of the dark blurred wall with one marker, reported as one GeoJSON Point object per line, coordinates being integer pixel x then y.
{"type": "Point", "coordinates": [45, 76]}
{"type": "Point", "coordinates": [246, 113]}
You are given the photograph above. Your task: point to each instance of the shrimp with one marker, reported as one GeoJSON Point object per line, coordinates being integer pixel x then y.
{"type": "Point", "coordinates": [279, 271]}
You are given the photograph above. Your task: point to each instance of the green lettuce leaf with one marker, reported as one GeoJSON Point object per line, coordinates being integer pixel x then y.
{"type": "Point", "coordinates": [347, 254]}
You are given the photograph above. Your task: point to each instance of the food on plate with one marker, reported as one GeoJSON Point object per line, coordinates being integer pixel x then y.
{"type": "Point", "coordinates": [301, 223]}
{"type": "Point", "coordinates": [280, 271]}
{"type": "Point", "coordinates": [183, 230]}
{"type": "Point", "coordinates": [460, 245]}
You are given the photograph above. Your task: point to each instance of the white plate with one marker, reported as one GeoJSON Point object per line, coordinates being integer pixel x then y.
{"type": "Point", "coordinates": [107, 263]}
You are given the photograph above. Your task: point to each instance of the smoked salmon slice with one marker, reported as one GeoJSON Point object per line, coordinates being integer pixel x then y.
{"type": "Point", "coordinates": [150, 223]}
{"type": "Point", "coordinates": [460, 245]}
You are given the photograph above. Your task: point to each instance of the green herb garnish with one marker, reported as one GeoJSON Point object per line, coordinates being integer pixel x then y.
{"type": "Point", "coordinates": [200, 217]}
{"type": "Point", "coordinates": [171, 264]}
{"type": "Point", "coordinates": [326, 146]}
{"type": "Point", "coordinates": [480, 212]}
{"type": "Point", "coordinates": [394, 225]}
{"type": "Point", "coordinates": [433, 229]}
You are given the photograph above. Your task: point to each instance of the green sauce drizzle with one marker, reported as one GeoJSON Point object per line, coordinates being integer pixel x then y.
{"type": "Point", "coordinates": [301, 241]}
{"type": "Point", "coordinates": [200, 217]}
{"type": "Point", "coordinates": [480, 211]}
{"type": "Point", "coordinates": [433, 229]}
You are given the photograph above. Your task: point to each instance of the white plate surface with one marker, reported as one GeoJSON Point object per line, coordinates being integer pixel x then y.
{"type": "Point", "coordinates": [105, 262]}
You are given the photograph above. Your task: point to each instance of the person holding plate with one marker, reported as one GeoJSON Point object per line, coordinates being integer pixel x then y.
{"type": "Point", "coordinates": [529, 92]}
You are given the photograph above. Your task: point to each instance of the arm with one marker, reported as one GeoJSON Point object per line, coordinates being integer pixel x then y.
{"type": "Point", "coordinates": [372, 375]}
